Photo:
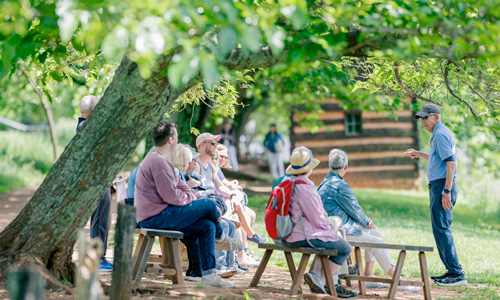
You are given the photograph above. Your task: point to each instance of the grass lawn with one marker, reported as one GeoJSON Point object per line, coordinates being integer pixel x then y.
{"type": "Point", "coordinates": [403, 218]}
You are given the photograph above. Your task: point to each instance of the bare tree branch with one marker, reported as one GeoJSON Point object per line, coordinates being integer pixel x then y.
{"type": "Point", "coordinates": [409, 91]}
{"type": "Point", "coordinates": [481, 96]}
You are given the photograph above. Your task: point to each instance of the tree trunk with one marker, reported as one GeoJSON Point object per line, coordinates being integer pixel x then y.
{"type": "Point", "coordinates": [48, 113]}
{"type": "Point", "coordinates": [44, 232]}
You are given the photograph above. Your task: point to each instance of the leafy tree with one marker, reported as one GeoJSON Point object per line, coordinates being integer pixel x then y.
{"type": "Point", "coordinates": [168, 47]}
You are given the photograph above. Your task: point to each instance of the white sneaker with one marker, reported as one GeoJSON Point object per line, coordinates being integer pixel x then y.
{"type": "Point", "coordinates": [227, 243]}
{"type": "Point", "coordinates": [248, 262]}
{"type": "Point", "coordinates": [409, 288]}
{"type": "Point", "coordinates": [375, 285]}
{"type": "Point", "coordinates": [216, 282]}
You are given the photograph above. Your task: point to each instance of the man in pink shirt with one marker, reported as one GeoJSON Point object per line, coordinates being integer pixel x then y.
{"type": "Point", "coordinates": [164, 201]}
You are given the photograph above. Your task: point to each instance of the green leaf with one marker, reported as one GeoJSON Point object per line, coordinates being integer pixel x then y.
{"type": "Point", "coordinates": [227, 40]}
{"type": "Point", "coordinates": [209, 70]}
{"type": "Point", "coordinates": [56, 76]}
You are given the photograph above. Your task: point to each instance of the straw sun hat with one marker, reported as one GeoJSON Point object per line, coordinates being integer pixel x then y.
{"type": "Point", "coordinates": [301, 161]}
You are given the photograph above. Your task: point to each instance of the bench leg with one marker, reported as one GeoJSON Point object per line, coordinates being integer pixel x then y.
{"type": "Point", "coordinates": [174, 258]}
{"type": "Point", "coordinates": [359, 262]}
{"type": "Point", "coordinates": [397, 275]}
{"type": "Point", "coordinates": [300, 272]}
{"type": "Point", "coordinates": [425, 276]}
{"type": "Point", "coordinates": [325, 263]}
{"type": "Point", "coordinates": [291, 264]}
{"type": "Point", "coordinates": [261, 268]}
{"type": "Point", "coordinates": [137, 247]}
{"type": "Point", "coordinates": [142, 258]}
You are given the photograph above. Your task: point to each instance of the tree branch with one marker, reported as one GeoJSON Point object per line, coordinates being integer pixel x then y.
{"type": "Point", "coordinates": [409, 91]}
{"type": "Point", "coordinates": [452, 92]}
{"type": "Point", "coordinates": [481, 96]}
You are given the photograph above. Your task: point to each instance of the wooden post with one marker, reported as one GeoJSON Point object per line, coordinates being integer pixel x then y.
{"type": "Point", "coordinates": [88, 286]}
{"type": "Point", "coordinates": [124, 243]}
{"type": "Point", "coordinates": [24, 283]}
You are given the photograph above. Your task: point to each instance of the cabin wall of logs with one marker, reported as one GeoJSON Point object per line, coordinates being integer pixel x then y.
{"type": "Point", "coordinates": [374, 142]}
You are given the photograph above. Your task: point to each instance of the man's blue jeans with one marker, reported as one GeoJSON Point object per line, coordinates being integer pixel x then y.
{"type": "Point", "coordinates": [226, 258]}
{"type": "Point", "coordinates": [197, 220]}
{"type": "Point", "coordinates": [441, 225]}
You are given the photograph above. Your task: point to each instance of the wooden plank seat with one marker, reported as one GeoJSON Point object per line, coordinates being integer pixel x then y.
{"type": "Point", "coordinates": [395, 281]}
{"type": "Point", "coordinates": [297, 273]}
{"type": "Point", "coordinates": [170, 259]}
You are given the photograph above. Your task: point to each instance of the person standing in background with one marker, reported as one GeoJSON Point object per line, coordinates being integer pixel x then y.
{"type": "Point", "coordinates": [228, 139]}
{"type": "Point", "coordinates": [274, 144]}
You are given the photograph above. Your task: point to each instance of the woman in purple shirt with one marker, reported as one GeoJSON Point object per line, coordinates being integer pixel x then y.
{"type": "Point", "coordinates": [312, 229]}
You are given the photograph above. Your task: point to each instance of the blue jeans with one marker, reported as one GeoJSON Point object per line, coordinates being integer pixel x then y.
{"type": "Point", "coordinates": [441, 225]}
{"type": "Point", "coordinates": [343, 248]}
{"type": "Point", "coordinates": [100, 220]}
{"type": "Point", "coordinates": [197, 220]}
{"type": "Point", "coordinates": [226, 258]}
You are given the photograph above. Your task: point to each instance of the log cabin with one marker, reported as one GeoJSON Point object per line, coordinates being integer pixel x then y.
{"type": "Point", "coordinates": [374, 142]}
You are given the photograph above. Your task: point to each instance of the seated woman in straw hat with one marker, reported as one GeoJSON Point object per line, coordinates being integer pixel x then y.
{"type": "Point", "coordinates": [313, 230]}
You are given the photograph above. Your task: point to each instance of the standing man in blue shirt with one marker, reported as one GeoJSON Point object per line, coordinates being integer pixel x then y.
{"type": "Point", "coordinates": [274, 145]}
{"type": "Point", "coordinates": [441, 173]}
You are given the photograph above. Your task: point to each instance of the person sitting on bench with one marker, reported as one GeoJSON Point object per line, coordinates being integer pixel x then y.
{"type": "Point", "coordinates": [164, 201]}
{"type": "Point", "coordinates": [312, 229]}
{"type": "Point", "coordinates": [339, 200]}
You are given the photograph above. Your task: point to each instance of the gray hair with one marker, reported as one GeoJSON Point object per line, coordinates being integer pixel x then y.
{"type": "Point", "coordinates": [88, 103]}
{"type": "Point", "coordinates": [337, 159]}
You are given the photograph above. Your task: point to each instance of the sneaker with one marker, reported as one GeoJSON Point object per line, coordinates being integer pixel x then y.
{"type": "Point", "coordinates": [216, 282]}
{"type": "Point", "coordinates": [105, 266]}
{"type": "Point", "coordinates": [257, 239]}
{"type": "Point", "coordinates": [227, 243]}
{"type": "Point", "coordinates": [343, 292]}
{"type": "Point", "coordinates": [409, 288]}
{"type": "Point", "coordinates": [440, 277]}
{"type": "Point", "coordinates": [452, 280]}
{"type": "Point", "coordinates": [316, 284]}
{"type": "Point", "coordinates": [375, 285]}
{"type": "Point", "coordinates": [193, 275]}
{"type": "Point", "coordinates": [241, 267]}
{"type": "Point", "coordinates": [248, 253]}
{"type": "Point", "coordinates": [248, 262]}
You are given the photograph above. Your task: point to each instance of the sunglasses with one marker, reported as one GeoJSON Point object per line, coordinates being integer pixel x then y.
{"type": "Point", "coordinates": [424, 118]}
{"type": "Point", "coordinates": [213, 143]}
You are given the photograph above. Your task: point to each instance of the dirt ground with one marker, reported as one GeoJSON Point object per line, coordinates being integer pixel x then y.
{"type": "Point", "coordinates": [273, 285]}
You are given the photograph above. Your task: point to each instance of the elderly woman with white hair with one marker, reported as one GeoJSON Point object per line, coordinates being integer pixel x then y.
{"type": "Point", "coordinates": [312, 228]}
{"type": "Point", "coordinates": [339, 200]}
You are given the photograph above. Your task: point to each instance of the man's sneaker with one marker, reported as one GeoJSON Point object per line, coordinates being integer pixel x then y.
{"type": "Point", "coordinates": [193, 275]}
{"type": "Point", "coordinates": [216, 282]}
{"type": "Point", "coordinates": [247, 261]}
{"type": "Point", "coordinates": [257, 239]}
{"type": "Point", "coordinates": [440, 277]}
{"type": "Point", "coordinates": [344, 293]}
{"type": "Point", "coordinates": [409, 288]}
{"type": "Point", "coordinates": [316, 284]}
{"type": "Point", "coordinates": [227, 243]}
{"type": "Point", "coordinates": [105, 266]}
{"type": "Point", "coordinates": [248, 253]}
{"type": "Point", "coordinates": [241, 267]}
{"type": "Point", "coordinates": [452, 280]}
{"type": "Point", "coordinates": [375, 285]}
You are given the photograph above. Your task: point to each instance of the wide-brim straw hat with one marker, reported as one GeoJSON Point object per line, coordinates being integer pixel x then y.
{"type": "Point", "coordinates": [301, 161]}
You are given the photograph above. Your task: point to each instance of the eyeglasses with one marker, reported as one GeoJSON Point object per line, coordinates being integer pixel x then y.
{"type": "Point", "coordinates": [424, 118]}
{"type": "Point", "coordinates": [213, 143]}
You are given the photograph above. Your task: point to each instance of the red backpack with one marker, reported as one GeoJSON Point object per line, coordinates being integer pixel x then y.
{"type": "Point", "coordinates": [279, 224]}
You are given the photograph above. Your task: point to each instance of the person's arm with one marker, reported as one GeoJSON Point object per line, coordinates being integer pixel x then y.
{"type": "Point", "coordinates": [416, 154]}
{"type": "Point", "coordinates": [219, 186]}
{"type": "Point", "coordinates": [350, 205]}
{"type": "Point", "coordinates": [450, 173]}
{"type": "Point", "coordinates": [311, 205]}
{"type": "Point", "coordinates": [166, 185]}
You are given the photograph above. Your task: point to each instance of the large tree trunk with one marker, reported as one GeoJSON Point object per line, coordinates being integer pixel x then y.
{"type": "Point", "coordinates": [45, 230]}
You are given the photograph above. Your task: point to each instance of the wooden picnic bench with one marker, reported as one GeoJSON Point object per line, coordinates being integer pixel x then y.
{"type": "Point", "coordinates": [395, 281]}
{"type": "Point", "coordinates": [297, 273]}
{"type": "Point", "coordinates": [171, 257]}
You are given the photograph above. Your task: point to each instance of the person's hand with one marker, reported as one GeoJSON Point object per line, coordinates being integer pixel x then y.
{"type": "Point", "coordinates": [220, 215]}
{"type": "Point", "coordinates": [193, 183]}
{"type": "Point", "coordinates": [370, 224]}
{"type": "Point", "coordinates": [412, 153]}
{"type": "Point", "coordinates": [446, 201]}
{"type": "Point", "coordinates": [236, 206]}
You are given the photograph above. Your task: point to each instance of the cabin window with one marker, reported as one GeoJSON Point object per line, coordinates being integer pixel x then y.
{"type": "Point", "coordinates": [353, 123]}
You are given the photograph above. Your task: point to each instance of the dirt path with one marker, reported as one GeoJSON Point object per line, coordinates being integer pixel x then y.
{"type": "Point", "coordinates": [273, 285]}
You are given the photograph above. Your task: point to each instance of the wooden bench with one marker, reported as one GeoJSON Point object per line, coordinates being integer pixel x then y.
{"type": "Point", "coordinates": [395, 281]}
{"type": "Point", "coordinates": [170, 259]}
{"type": "Point", "coordinates": [297, 273]}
